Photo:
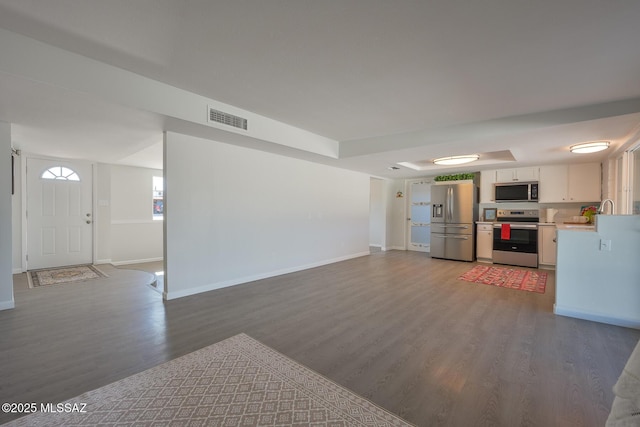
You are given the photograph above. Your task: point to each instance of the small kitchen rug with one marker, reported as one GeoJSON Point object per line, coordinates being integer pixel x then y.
{"type": "Point", "coordinates": [56, 276]}
{"type": "Point", "coordinates": [505, 277]}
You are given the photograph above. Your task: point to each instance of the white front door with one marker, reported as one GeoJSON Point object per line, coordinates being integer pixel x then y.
{"type": "Point", "coordinates": [59, 213]}
{"type": "Point", "coordinates": [419, 220]}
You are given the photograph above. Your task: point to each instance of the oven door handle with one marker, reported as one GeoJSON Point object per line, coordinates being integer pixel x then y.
{"type": "Point", "coordinates": [519, 226]}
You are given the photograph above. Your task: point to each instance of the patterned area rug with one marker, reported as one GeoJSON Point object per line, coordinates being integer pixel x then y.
{"type": "Point", "coordinates": [55, 276]}
{"type": "Point", "coordinates": [236, 382]}
{"type": "Point", "coordinates": [512, 278]}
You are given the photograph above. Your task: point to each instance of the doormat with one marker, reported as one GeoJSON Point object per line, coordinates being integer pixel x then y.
{"type": "Point", "coordinates": [504, 277]}
{"type": "Point", "coordinates": [235, 382]}
{"type": "Point", "coordinates": [56, 276]}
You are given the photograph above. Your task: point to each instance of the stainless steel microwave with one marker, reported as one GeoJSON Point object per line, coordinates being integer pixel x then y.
{"type": "Point", "coordinates": [516, 192]}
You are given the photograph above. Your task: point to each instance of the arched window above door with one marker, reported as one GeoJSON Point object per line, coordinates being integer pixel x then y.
{"type": "Point", "coordinates": [61, 173]}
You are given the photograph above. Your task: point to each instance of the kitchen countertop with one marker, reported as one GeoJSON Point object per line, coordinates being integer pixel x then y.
{"type": "Point", "coordinates": [559, 225]}
{"type": "Point", "coordinates": [576, 227]}
{"type": "Point", "coordinates": [568, 225]}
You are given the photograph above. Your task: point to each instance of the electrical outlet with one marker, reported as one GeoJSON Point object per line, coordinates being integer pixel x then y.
{"type": "Point", "coordinates": [605, 245]}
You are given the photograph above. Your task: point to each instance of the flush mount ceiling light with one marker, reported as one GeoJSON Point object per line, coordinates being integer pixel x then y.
{"type": "Point", "coordinates": [456, 160]}
{"type": "Point", "coordinates": [589, 147]}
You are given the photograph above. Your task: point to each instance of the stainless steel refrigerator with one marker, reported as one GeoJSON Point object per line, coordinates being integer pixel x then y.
{"type": "Point", "coordinates": [453, 215]}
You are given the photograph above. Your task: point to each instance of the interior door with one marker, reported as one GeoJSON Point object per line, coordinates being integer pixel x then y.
{"type": "Point", "coordinates": [419, 221]}
{"type": "Point", "coordinates": [59, 213]}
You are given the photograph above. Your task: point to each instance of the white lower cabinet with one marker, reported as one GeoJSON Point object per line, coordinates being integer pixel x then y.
{"type": "Point", "coordinates": [484, 242]}
{"type": "Point", "coordinates": [547, 246]}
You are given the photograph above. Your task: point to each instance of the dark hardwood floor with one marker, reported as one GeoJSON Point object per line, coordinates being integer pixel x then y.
{"type": "Point", "coordinates": [395, 327]}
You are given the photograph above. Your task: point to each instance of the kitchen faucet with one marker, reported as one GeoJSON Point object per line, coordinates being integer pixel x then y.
{"type": "Point", "coordinates": [602, 205]}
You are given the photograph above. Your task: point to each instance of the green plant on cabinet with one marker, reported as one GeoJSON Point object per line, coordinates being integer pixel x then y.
{"type": "Point", "coordinates": [455, 177]}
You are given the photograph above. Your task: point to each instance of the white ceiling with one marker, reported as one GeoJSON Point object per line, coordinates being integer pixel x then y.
{"type": "Point", "coordinates": [517, 82]}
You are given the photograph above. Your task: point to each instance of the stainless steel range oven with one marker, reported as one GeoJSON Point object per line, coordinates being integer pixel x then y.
{"type": "Point", "coordinates": [515, 237]}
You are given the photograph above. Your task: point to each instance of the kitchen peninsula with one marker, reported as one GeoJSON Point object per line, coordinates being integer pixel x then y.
{"type": "Point", "coordinates": [598, 273]}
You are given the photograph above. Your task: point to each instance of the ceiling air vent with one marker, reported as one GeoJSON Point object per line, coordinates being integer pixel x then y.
{"type": "Point", "coordinates": [227, 119]}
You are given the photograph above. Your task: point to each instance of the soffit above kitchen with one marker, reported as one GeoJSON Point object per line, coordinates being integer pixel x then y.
{"type": "Point", "coordinates": [370, 74]}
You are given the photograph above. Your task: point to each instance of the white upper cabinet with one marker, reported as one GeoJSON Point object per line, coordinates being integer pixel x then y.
{"type": "Point", "coordinates": [585, 182]}
{"type": "Point", "coordinates": [553, 185]}
{"type": "Point", "coordinates": [518, 174]}
{"type": "Point", "coordinates": [570, 183]}
{"type": "Point", "coordinates": [487, 179]}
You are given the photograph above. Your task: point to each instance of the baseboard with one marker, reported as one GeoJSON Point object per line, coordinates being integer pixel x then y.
{"type": "Point", "coordinates": [17, 271]}
{"type": "Point", "coordinates": [596, 317]}
{"type": "Point", "coordinates": [136, 261]}
{"type": "Point", "coordinates": [397, 248]}
{"type": "Point", "coordinates": [102, 261]}
{"type": "Point", "coordinates": [7, 305]}
{"type": "Point", "coordinates": [213, 286]}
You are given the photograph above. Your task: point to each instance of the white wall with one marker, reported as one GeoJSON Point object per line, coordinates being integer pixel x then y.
{"type": "Point", "coordinates": [102, 214]}
{"type": "Point", "coordinates": [134, 235]}
{"type": "Point", "coordinates": [6, 246]}
{"type": "Point", "coordinates": [377, 214]}
{"type": "Point", "coordinates": [16, 217]}
{"type": "Point", "coordinates": [599, 285]}
{"type": "Point", "coordinates": [234, 215]}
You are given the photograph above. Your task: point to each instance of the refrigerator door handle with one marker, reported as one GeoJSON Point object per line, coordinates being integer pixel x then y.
{"type": "Point", "coordinates": [451, 236]}
{"type": "Point", "coordinates": [450, 204]}
{"type": "Point", "coordinates": [447, 204]}
{"type": "Point", "coordinates": [446, 207]}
